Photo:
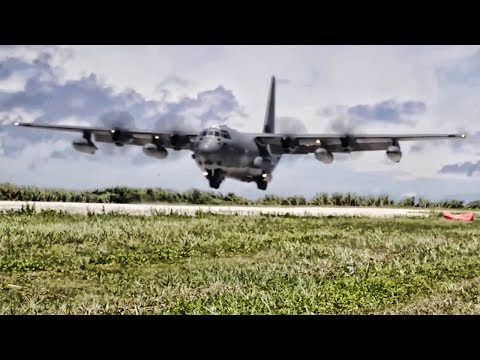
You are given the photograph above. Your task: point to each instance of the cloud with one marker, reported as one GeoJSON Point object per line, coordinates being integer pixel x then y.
{"type": "Point", "coordinates": [389, 111]}
{"type": "Point", "coordinates": [467, 168]}
{"type": "Point", "coordinates": [88, 97]}
{"type": "Point", "coordinates": [56, 55]}
{"type": "Point", "coordinates": [11, 65]}
{"type": "Point", "coordinates": [290, 125]}
{"type": "Point", "coordinates": [280, 81]}
{"type": "Point", "coordinates": [340, 118]}
{"type": "Point", "coordinates": [465, 73]}
{"type": "Point", "coordinates": [417, 148]}
{"type": "Point", "coordinates": [119, 118]}
{"type": "Point", "coordinates": [173, 81]}
{"type": "Point", "coordinates": [88, 100]}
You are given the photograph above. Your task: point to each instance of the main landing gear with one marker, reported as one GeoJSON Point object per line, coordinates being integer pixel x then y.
{"type": "Point", "coordinates": [262, 181]}
{"type": "Point", "coordinates": [262, 184]}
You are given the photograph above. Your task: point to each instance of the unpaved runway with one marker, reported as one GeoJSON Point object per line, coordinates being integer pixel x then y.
{"type": "Point", "coordinates": [145, 209]}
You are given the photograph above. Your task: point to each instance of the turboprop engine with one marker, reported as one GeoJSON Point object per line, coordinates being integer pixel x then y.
{"type": "Point", "coordinates": [288, 144]}
{"type": "Point", "coordinates": [178, 141]}
{"type": "Point", "coordinates": [120, 137]}
{"type": "Point", "coordinates": [155, 151]}
{"type": "Point", "coordinates": [85, 146]}
{"type": "Point", "coordinates": [324, 156]}
{"type": "Point", "coordinates": [394, 153]}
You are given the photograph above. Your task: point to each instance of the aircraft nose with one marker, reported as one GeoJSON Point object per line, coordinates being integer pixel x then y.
{"type": "Point", "coordinates": [208, 147]}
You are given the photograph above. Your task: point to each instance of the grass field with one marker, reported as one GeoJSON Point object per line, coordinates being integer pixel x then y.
{"type": "Point", "coordinates": [57, 263]}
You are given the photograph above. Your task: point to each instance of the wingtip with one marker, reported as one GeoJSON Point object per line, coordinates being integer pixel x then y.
{"type": "Point", "coordinates": [463, 136]}
{"type": "Point", "coordinates": [16, 124]}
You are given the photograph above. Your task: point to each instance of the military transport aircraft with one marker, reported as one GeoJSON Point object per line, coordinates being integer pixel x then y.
{"type": "Point", "coordinates": [222, 152]}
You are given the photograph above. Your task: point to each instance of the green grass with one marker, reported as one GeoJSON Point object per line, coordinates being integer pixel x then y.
{"type": "Point", "coordinates": [58, 263]}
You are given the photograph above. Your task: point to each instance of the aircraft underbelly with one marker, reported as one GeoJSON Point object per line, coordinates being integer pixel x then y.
{"type": "Point", "coordinates": [242, 169]}
{"type": "Point", "coordinates": [243, 174]}
{"type": "Point", "coordinates": [234, 164]}
{"type": "Point", "coordinates": [239, 165]}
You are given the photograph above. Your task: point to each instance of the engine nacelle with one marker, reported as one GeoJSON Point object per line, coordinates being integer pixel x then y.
{"type": "Point", "coordinates": [178, 141]}
{"type": "Point", "coordinates": [156, 151]}
{"type": "Point", "coordinates": [288, 144]}
{"type": "Point", "coordinates": [324, 156]}
{"type": "Point", "coordinates": [394, 153]}
{"type": "Point", "coordinates": [85, 146]}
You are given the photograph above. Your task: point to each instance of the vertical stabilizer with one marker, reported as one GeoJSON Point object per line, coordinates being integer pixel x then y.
{"type": "Point", "coordinates": [269, 124]}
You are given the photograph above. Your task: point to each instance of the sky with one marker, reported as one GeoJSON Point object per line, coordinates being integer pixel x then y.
{"type": "Point", "coordinates": [326, 89]}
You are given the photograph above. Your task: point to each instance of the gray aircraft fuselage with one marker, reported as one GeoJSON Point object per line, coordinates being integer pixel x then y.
{"type": "Point", "coordinates": [233, 154]}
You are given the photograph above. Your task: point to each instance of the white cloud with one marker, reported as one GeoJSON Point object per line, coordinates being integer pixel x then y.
{"type": "Point", "coordinates": [73, 121]}
{"type": "Point", "coordinates": [18, 115]}
{"type": "Point", "coordinates": [16, 82]}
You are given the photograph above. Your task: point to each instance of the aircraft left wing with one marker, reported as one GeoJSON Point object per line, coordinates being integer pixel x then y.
{"type": "Point", "coordinates": [308, 143]}
{"type": "Point", "coordinates": [174, 140]}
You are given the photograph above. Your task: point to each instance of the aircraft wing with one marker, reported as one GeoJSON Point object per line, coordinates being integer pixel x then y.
{"type": "Point", "coordinates": [307, 143]}
{"type": "Point", "coordinates": [175, 140]}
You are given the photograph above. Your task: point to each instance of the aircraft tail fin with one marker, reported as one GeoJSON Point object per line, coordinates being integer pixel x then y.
{"type": "Point", "coordinates": [269, 123]}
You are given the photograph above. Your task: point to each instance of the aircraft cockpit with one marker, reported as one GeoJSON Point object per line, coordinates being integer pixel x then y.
{"type": "Point", "coordinates": [216, 133]}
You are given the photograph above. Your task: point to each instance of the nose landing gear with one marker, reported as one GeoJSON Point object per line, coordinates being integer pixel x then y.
{"type": "Point", "coordinates": [215, 178]}
{"type": "Point", "coordinates": [215, 183]}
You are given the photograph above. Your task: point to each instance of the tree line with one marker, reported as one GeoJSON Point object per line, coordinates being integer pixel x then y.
{"type": "Point", "coordinates": [125, 195]}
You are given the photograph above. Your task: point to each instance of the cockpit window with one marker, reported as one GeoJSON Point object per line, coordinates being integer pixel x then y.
{"type": "Point", "coordinates": [225, 134]}
{"type": "Point", "coordinates": [217, 133]}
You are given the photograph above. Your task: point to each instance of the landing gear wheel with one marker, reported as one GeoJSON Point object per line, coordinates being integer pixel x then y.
{"type": "Point", "coordinates": [262, 185]}
{"type": "Point", "coordinates": [215, 183]}
{"type": "Point", "coordinates": [215, 178]}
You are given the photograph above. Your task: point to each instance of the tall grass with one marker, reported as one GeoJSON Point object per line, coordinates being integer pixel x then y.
{"type": "Point", "coordinates": [131, 195]}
